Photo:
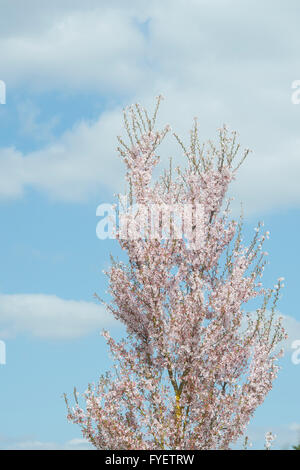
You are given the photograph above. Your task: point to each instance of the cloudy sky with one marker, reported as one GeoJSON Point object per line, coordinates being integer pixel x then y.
{"type": "Point", "coordinates": [69, 68]}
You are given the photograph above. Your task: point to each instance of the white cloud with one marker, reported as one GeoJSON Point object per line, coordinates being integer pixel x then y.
{"type": "Point", "coordinates": [294, 427]}
{"type": "Point", "coordinates": [48, 316]}
{"type": "Point", "coordinates": [30, 124]}
{"type": "Point", "coordinates": [77, 442]}
{"type": "Point", "coordinates": [98, 48]}
{"type": "Point", "coordinates": [84, 159]}
{"type": "Point", "coordinates": [70, 168]}
{"type": "Point", "coordinates": [32, 444]}
{"type": "Point", "coordinates": [220, 60]}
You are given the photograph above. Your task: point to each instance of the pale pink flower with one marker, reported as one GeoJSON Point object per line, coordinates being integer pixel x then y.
{"type": "Point", "coordinates": [194, 367]}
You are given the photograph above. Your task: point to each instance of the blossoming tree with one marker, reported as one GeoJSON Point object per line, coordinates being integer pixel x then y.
{"type": "Point", "coordinates": [196, 363]}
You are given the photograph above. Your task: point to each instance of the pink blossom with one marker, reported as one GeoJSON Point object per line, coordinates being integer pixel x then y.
{"type": "Point", "coordinates": [194, 366]}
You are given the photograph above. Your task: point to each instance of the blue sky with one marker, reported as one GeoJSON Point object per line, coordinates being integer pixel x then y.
{"type": "Point", "coordinates": [69, 69]}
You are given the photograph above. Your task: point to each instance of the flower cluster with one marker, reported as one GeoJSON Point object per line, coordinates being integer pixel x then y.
{"type": "Point", "coordinates": [195, 366]}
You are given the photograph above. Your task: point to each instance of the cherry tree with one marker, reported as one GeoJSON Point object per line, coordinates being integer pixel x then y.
{"type": "Point", "coordinates": [197, 360]}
